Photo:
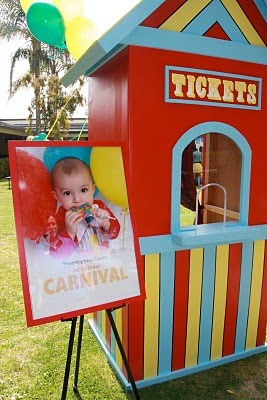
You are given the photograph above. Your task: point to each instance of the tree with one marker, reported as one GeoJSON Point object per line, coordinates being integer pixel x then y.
{"type": "Point", "coordinates": [43, 60]}
{"type": "Point", "coordinates": [55, 105]}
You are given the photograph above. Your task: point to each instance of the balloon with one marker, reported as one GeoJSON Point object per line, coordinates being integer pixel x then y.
{"type": "Point", "coordinates": [46, 24]}
{"type": "Point", "coordinates": [80, 34]}
{"type": "Point", "coordinates": [42, 136]}
{"type": "Point", "coordinates": [69, 9]}
{"type": "Point", "coordinates": [107, 169]}
{"type": "Point", "coordinates": [54, 154]}
{"type": "Point", "coordinates": [37, 202]}
{"type": "Point", "coordinates": [25, 4]}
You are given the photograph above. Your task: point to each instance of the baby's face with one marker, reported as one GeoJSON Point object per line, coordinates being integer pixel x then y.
{"type": "Point", "coordinates": [75, 189]}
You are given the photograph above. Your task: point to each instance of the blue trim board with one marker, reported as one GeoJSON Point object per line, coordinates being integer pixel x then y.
{"type": "Point", "coordinates": [175, 374]}
{"type": "Point", "coordinates": [262, 6]}
{"type": "Point", "coordinates": [189, 43]}
{"type": "Point", "coordinates": [213, 234]}
{"type": "Point", "coordinates": [167, 269]}
{"type": "Point", "coordinates": [207, 300]}
{"type": "Point", "coordinates": [244, 296]}
{"type": "Point", "coordinates": [168, 99]}
{"type": "Point", "coordinates": [199, 368]}
{"type": "Point", "coordinates": [127, 32]}
{"type": "Point", "coordinates": [215, 12]}
{"type": "Point", "coordinates": [188, 137]}
{"type": "Point", "coordinates": [213, 104]}
{"type": "Point", "coordinates": [110, 358]}
{"type": "Point", "coordinates": [164, 243]}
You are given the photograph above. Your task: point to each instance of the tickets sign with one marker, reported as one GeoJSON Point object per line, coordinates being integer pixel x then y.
{"type": "Point", "coordinates": [211, 88]}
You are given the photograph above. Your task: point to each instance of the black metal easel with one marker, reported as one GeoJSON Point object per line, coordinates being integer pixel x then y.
{"type": "Point", "coordinates": [78, 355]}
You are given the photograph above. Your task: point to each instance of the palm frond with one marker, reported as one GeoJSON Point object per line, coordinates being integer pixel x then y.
{"type": "Point", "coordinates": [22, 53]}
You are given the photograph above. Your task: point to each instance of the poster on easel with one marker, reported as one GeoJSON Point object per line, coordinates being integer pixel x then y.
{"type": "Point", "coordinates": [76, 245]}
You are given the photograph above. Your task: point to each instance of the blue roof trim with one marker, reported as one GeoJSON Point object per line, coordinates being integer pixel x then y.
{"type": "Point", "coordinates": [215, 12]}
{"type": "Point", "coordinates": [128, 32]}
{"type": "Point", "coordinates": [111, 39]}
{"type": "Point", "coordinates": [94, 65]}
{"type": "Point", "coordinates": [262, 6]}
{"type": "Point", "coordinates": [79, 68]}
{"type": "Point", "coordinates": [188, 43]}
{"type": "Point", "coordinates": [128, 23]}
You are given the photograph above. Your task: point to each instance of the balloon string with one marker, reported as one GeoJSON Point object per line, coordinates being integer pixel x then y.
{"type": "Point", "coordinates": [58, 115]}
{"type": "Point", "coordinates": [79, 134]}
{"type": "Point", "coordinates": [82, 129]}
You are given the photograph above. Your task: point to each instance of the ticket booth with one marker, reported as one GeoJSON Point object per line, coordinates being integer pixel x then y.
{"type": "Point", "coordinates": [169, 77]}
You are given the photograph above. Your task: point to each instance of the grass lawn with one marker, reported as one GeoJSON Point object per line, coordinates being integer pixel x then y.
{"type": "Point", "coordinates": [32, 360]}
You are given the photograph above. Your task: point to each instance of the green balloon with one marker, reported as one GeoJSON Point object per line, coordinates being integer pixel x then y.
{"type": "Point", "coordinates": [46, 24]}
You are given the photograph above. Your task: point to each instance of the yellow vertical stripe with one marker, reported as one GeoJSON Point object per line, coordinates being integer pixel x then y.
{"type": "Point", "coordinates": [194, 303]}
{"type": "Point", "coordinates": [185, 14]}
{"type": "Point", "coordinates": [220, 294]}
{"type": "Point", "coordinates": [255, 293]}
{"type": "Point", "coordinates": [243, 22]}
{"type": "Point", "coordinates": [118, 319]}
{"type": "Point", "coordinates": [151, 325]}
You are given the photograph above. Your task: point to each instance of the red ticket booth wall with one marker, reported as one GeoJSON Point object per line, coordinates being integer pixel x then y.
{"type": "Point", "coordinates": [207, 285]}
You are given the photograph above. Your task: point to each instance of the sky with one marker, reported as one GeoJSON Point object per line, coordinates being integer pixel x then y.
{"type": "Point", "coordinates": [16, 107]}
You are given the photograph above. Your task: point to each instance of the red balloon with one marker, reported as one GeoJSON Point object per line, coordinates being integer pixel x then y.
{"type": "Point", "coordinates": [37, 202]}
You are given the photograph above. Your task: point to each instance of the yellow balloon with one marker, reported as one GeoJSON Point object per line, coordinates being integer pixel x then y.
{"type": "Point", "coordinates": [69, 9]}
{"type": "Point", "coordinates": [108, 173]}
{"type": "Point", "coordinates": [25, 4]}
{"type": "Point", "coordinates": [80, 34]}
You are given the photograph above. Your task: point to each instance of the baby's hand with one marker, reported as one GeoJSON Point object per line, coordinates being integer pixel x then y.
{"type": "Point", "coordinates": [101, 217]}
{"type": "Point", "coordinates": [72, 220]}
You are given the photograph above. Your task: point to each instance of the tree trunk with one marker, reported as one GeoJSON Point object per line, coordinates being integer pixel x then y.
{"type": "Point", "coordinates": [36, 72]}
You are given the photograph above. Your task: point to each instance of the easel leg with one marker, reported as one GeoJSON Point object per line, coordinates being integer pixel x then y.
{"type": "Point", "coordinates": [78, 356]}
{"type": "Point", "coordinates": [68, 361]}
{"type": "Point", "coordinates": [123, 355]}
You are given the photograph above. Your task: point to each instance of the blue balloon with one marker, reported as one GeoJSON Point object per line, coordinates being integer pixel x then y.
{"type": "Point", "coordinates": [42, 136]}
{"type": "Point", "coordinates": [54, 154]}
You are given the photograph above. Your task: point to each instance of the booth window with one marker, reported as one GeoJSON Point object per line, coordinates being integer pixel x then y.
{"type": "Point", "coordinates": [210, 180]}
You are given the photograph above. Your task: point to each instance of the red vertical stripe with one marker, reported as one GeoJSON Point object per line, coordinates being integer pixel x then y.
{"type": "Point", "coordinates": [181, 289]}
{"type": "Point", "coordinates": [136, 336]}
{"type": "Point", "coordinates": [95, 318]}
{"type": "Point", "coordinates": [263, 305]}
{"type": "Point", "coordinates": [235, 254]}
